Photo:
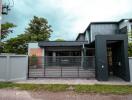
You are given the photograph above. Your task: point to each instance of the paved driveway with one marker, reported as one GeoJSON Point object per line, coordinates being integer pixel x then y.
{"type": "Point", "coordinates": [8, 94]}
{"type": "Point", "coordinates": [74, 81]}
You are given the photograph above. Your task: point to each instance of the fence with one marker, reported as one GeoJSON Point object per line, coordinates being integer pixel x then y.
{"type": "Point", "coordinates": [62, 66]}
{"type": "Point", "coordinates": [130, 66]}
{"type": "Point", "coordinates": [13, 67]}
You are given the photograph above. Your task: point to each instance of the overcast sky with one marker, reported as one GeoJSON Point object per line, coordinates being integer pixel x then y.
{"type": "Point", "coordinates": [67, 17]}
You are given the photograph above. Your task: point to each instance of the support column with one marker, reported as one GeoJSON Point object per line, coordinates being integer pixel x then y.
{"type": "Point", "coordinates": [82, 57]}
{"type": "Point", "coordinates": [101, 59]}
{"type": "Point", "coordinates": [84, 62]}
{"type": "Point", "coordinates": [43, 56]}
{"type": "Point", "coordinates": [54, 56]}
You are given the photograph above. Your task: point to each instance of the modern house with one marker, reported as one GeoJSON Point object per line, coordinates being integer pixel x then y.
{"type": "Point", "coordinates": [100, 51]}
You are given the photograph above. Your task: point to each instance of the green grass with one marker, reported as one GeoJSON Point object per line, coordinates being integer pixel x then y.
{"type": "Point", "coordinates": [6, 85]}
{"type": "Point", "coordinates": [103, 89]}
{"type": "Point", "coordinates": [42, 87]}
{"type": "Point", "coordinates": [35, 87]}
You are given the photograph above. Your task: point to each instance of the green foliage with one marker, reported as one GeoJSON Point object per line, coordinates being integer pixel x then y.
{"type": "Point", "coordinates": [1, 47]}
{"type": "Point", "coordinates": [38, 30]}
{"type": "Point", "coordinates": [59, 40]}
{"type": "Point", "coordinates": [130, 44]}
{"type": "Point", "coordinates": [33, 60]}
{"type": "Point", "coordinates": [130, 36]}
{"type": "Point", "coordinates": [130, 49]}
{"type": "Point", "coordinates": [6, 28]}
{"type": "Point", "coordinates": [16, 45]}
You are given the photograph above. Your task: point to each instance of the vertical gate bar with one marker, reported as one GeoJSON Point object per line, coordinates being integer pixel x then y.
{"type": "Point", "coordinates": [78, 67]}
{"type": "Point", "coordinates": [61, 70]}
{"type": "Point", "coordinates": [78, 71]}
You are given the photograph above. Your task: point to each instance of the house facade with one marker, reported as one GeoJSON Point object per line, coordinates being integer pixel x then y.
{"type": "Point", "coordinates": [101, 50]}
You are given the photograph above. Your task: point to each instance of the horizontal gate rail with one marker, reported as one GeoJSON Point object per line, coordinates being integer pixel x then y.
{"type": "Point", "coordinates": [61, 66]}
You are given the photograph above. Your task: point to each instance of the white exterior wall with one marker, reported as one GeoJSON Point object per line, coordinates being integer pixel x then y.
{"type": "Point", "coordinates": [33, 46]}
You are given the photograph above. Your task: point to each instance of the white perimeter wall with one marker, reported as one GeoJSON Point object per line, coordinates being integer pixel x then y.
{"type": "Point", "coordinates": [13, 67]}
{"type": "Point", "coordinates": [130, 66]}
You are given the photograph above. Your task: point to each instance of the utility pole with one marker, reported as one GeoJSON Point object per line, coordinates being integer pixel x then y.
{"type": "Point", "coordinates": [4, 9]}
{"type": "Point", "coordinates": [0, 18]}
{"type": "Point", "coordinates": [0, 22]}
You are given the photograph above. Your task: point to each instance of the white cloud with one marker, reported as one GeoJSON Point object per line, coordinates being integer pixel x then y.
{"type": "Point", "coordinates": [94, 10]}
{"type": "Point", "coordinates": [69, 17]}
{"type": "Point", "coordinates": [85, 11]}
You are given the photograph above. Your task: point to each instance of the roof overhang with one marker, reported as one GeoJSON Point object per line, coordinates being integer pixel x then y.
{"type": "Point", "coordinates": [61, 43]}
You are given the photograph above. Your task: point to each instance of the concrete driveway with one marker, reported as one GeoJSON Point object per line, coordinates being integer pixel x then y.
{"type": "Point", "coordinates": [75, 81]}
{"type": "Point", "coordinates": [10, 94]}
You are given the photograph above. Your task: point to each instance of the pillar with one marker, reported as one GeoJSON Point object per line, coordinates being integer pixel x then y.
{"type": "Point", "coordinates": [101, 66]}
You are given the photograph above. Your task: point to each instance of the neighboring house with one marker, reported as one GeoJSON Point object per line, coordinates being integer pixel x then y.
{"type": "Point", "coordinates": [103, 47]}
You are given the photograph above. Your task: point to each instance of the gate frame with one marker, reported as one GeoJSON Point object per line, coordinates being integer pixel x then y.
{"type": "Point", "coordinates": [61, 76]}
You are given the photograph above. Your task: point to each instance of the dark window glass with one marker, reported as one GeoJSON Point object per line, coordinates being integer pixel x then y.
{"type": "Point", "coordinates": [68, 53]}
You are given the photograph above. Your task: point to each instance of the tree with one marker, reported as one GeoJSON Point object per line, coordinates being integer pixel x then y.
{"type": "Point", "coordinates": [59, 40]}
{"type": "Point", "coordinates": [130, 37]}
{"type": "Point", "coordinates": [130, 49]}
{"type": "Point", "coordinates": [6, 29]}
{"type": "Point", "coordinates": [130, 44]}
{"type": "Point", "coordinates": [16, 45]}
{"type": "Point", "coordinates": [38, 29]}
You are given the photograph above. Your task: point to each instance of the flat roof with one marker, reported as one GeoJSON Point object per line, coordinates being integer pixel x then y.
{"type": "Point", "coordinates": [108, 22]}
{"type": "Point", "coordinates": [61, 43]}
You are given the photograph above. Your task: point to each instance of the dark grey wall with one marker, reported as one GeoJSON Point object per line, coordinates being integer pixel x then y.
{"type": "Point", "coordinates": [101, 56]}
{"type": "Point", "coordinates": [101, 59]}
{"type": "Point", "coordinates": [66, 48]}
{"type": "Point", "coordinates": [103, 29]}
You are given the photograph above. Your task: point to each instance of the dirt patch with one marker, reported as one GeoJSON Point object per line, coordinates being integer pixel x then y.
{"type": "Point", "coordinates": [12, 94]}
{"type": "Point", "coordinates": [69, 95]}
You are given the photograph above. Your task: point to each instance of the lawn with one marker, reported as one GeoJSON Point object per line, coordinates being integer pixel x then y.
{"type": "Point", "coordinates": [103, 89]}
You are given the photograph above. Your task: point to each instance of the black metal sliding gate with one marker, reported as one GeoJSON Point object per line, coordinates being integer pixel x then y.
{"type": "Point", "coordinates": [61, 66]}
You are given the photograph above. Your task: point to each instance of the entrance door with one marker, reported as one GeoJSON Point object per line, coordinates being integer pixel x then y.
{"type": "Point", "coordinates": [115, 59]}
{"type": "Point", "coordinates": [109, 60]}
